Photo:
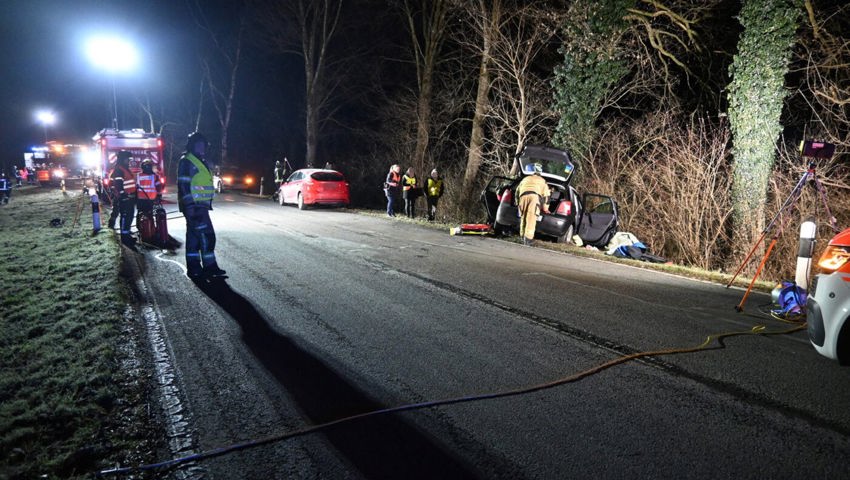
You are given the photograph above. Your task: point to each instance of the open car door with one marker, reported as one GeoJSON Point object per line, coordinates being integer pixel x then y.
{"type": "Point", "coordinates": [492, 195]}
{"type": "Point", "coordinates": [599, 220]}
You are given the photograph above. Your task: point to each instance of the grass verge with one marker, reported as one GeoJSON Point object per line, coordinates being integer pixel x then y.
{"type": "Point", "coordinates": [71, 397]}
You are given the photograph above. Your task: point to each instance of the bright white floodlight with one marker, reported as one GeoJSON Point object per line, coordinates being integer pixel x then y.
{"type": "Point", "coordinates": [46, 118]}
{"type": "Point", "coordinates": [112, 54]}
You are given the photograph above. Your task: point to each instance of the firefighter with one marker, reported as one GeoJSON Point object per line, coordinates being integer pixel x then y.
{"type": "Point", "coordinates": [533, 197]}
{"type": "Point", "coordinates": [433, 192]}
{"type": "Point", "coordinates": [148, 188]}
{"type": "Point", "coordinates": [195, 192]}
{"type": "Point", "coordinates": [392, 187]}
{"type": "Point", "coordinates": [123, 182]}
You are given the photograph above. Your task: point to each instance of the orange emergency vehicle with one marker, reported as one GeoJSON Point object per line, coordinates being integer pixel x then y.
{"type": "Point", "coordinates": [141, 145]}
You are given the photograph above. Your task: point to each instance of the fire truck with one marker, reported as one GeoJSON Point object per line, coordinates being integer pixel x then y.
{"type": "Point", "coordinates": [141, 145]}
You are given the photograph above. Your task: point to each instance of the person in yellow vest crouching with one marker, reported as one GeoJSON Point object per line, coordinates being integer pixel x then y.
{"type": "Point", "coordinates": [195, 193]}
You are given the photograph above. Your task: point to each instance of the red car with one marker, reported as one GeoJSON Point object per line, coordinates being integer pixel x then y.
{"type": "Point", "coordinates": [314, 186]}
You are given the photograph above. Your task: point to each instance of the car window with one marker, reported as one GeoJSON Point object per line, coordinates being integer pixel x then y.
{"type": "Point", "coordinates": [328, 177]}
{"type": "Point", "coordinates": [295, 176]}
{"type": "Point", "coordinates": [599, 204]}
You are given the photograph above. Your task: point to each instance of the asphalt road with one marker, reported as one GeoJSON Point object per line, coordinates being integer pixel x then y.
{"type": "Point", "coordinates": [327, 313]}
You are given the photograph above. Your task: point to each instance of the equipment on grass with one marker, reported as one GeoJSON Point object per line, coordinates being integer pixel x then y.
{"type": "Point", "coordinates": [811, 149]}
{"type": "Point", "coordinates": [472, 229]}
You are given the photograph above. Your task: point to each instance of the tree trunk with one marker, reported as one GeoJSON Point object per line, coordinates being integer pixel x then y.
{"type": "Point", "coordinates": [482, 104]}
{"type": "Point", "coordinates": [426, 57]}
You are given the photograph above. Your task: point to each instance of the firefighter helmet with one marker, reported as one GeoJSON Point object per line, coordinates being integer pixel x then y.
{"type": "Point", "coordinates": [147, 165]}
{"type": "Point", "coordinates": [193, 140]}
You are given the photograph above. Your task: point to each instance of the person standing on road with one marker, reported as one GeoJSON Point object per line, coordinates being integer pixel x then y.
{"type": "Point", "coordinates": [279, 172]}
{"type": "Point", "coordinates": [195, 193]}
{"type": "Point", "coordinates": [410, 192]}
{"type": "Point", "coordinates": [392, 187]}
{"type": "Point", "coordinates": [5, 188]}
{"type": "Point", "coordinates": [533, 194]}
{"type": "Point", "coordinates": [123, 181]}
{"type": "Point", "coordinates": [433, 192]}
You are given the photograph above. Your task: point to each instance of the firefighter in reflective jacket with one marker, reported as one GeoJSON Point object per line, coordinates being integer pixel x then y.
{"type": "Point", "coordinates": [148, 188]}
{"type": "Point", "coordinates": [195, 193]}
{"type": "Point", "coordinates": [533, 197]}
{"type": "Point", "coordinates": [123, 182]}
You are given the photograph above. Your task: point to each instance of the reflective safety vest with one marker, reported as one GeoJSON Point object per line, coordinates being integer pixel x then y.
{"type": "Point", "coordinates": [201, 186]}
{"type": "Point", "coordinates": [408, 182]}
{"type": "Point", "coordinates": [128, 180]}
{"type": "Point", "coordinates": [435, 187]}
{"type": "Point", "coordinates": [147, 186]}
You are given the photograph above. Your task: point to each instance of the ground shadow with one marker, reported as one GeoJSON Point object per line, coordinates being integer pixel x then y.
{"type": "Point", "coordinates": [385, 446]}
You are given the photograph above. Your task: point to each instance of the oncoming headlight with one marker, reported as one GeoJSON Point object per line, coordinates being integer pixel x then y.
{"type": "Point", "coordinates": [58, 173]}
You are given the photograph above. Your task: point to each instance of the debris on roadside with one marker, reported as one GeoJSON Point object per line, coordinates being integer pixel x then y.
{"type": "Point", "coordinates": [626, 245]}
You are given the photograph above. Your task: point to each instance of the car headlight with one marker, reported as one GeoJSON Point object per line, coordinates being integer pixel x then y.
{"type": "Point", "coordinates": [834, 258]}
{"type": "Point", "coordinates": [227, 180]}
{"type": "Point", "coordinates": [249, 180]}
{"type": "Point", "coordinates": [58, 173]}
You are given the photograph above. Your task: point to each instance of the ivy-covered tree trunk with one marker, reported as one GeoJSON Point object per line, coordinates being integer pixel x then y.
{"type": "Point", "coordinates": [593, 62]}
{"type": "Point", "coordinates": [756, 97]}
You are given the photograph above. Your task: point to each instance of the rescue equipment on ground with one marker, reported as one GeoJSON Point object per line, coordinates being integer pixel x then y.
{"type": "Point", "coordinates": [813, 150]}
{"type": "Point", "coordinates": [790, 297]}
{"type": "Point", "coordinates": [472, 229]}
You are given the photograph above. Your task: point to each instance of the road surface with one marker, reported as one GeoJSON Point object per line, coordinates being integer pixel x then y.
{"type": "Point", "coordinates": [327, 313]}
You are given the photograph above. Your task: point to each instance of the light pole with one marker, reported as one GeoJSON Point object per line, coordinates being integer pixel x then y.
{"type": "Point", "coordinates": [46, 119]}
{"type": "Point", "coordinates": [114, 55]}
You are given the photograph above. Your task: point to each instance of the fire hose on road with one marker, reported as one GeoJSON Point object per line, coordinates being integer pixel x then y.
{"type": "Point", "coordinates": [712, 342]}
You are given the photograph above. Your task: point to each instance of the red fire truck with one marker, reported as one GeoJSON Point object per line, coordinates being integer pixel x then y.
{"type": "Point", "coordinates": [142, 145]}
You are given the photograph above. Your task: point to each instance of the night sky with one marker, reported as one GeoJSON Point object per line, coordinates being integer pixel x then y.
{"type": "Point", "coordinates": [45, 64]}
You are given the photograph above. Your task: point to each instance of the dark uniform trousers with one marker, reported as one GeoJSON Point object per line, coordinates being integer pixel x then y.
{"type": "Point", "coordinates": [200, 240]}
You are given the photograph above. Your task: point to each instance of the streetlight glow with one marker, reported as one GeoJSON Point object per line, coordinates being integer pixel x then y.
{"type": "Point", "coordinates": [46, 118]}
{"type": "Point", "coordinates": [112, 54]}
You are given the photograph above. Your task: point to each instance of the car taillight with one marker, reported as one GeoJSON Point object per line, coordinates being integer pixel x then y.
{"type": "Point", "coordinates": [565, 207]}
{"type": "Point", "coordinates": [835, 258]}
{"type": "Point", "coordinates": [507, 196]}
{"type": "Point", "coordinates": [249, 180]}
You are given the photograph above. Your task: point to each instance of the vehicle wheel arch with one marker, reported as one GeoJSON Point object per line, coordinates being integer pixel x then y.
{"type": "Point", "coordinates": [567, 237]}
{"type": "Point", "coordinates": [842, 344]}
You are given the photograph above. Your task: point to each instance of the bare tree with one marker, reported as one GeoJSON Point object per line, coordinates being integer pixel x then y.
{"type": "Point", "coordinates": [485, 17]}
{"type": "Point", "coordinates": [426, 41]}
{"type": "Point", "coordinates": [316, 23]}
{"type": "Point", "coordinates": [220, 68]}
{"type": "Point", "coordinates": [520, 106]}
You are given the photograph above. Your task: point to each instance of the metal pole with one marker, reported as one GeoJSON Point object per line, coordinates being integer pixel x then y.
{"type": "Point", "coordinates": [114, 105]}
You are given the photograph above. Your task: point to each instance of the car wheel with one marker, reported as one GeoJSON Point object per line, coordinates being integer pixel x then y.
{"type": "Point", "coordinates": [301, 204]}
{"type": "Point", "coordinates": [567, 237]}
